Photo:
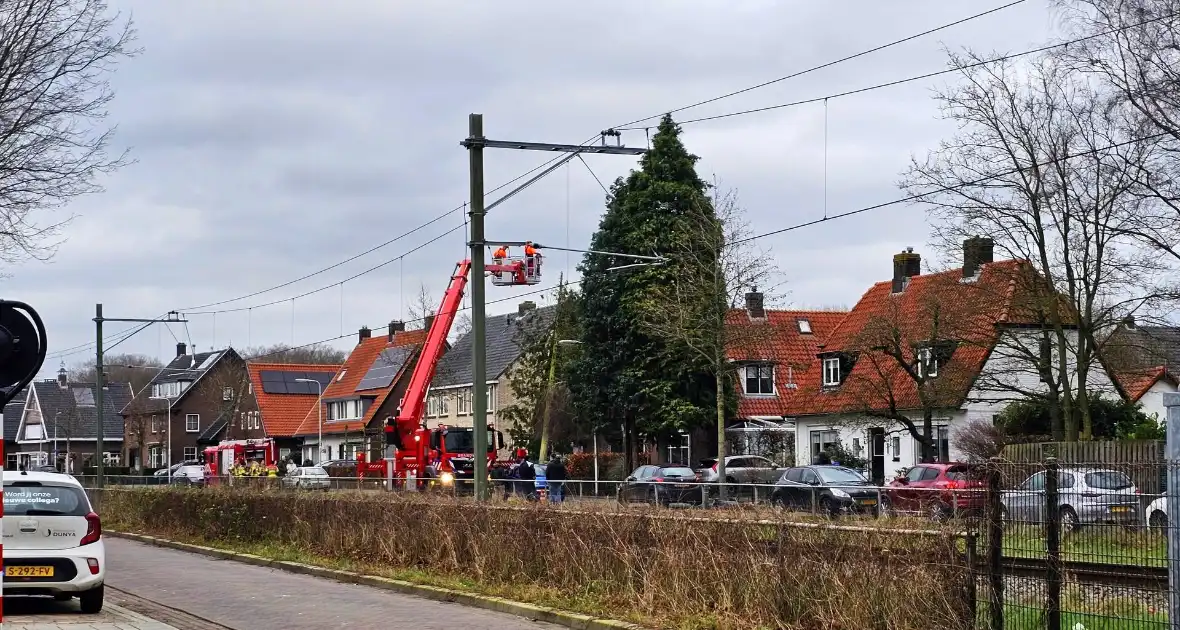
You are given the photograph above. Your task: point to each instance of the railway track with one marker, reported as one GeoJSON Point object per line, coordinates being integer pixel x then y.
{"type": "Point", "coordinates": [1092, 573]}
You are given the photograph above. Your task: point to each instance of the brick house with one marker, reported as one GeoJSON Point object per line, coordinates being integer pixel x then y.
{"type": "Point", "coordinates": [966, 332]}
{"type": "Point", "coordinates": [449, 399]}
{"type": "Point", "coordinates": [775, 353]}
{"type": "Point", "coordinates": [197, 400]}
{"type": "Point", "coordinates": [367, 389]}
{"type": "Point", "coordinates": [59, 424]}
{"type": "Point", "coordinates": [288, 405]}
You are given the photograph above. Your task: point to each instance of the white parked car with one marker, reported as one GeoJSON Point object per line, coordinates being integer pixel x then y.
{"type": "Point", "coordinates": [52, 539]}
{"type": "Point", "coordinates": [308, 478]}
{"type": "Point", "coordinates": [1157, 513]}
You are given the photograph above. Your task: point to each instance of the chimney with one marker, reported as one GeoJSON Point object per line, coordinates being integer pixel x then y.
{"type": "Point", "coordinates": [63, 378]}
{"type": "Point", "coordinates": [977, 252]}
{"type": "Point", "coordinates": [526, 306]}
{"type": "Point", "coordinates": [396, 327]}
{"type": "Point", "coordinates": [906, 265]}
{"type": "Point", "coordinates": [427, 322]}
{"type": "Point", "coordinates": [754, 304]}
{"type": "Point", "coordinates": [364, 334]}
{"type": "Point", "coordinates": [181, 349]}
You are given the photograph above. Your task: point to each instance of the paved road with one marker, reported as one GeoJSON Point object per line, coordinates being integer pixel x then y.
{"type": "Point", "coordinates": [246, 597]}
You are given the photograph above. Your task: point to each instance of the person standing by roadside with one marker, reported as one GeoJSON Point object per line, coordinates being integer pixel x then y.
{"type": "Point", "coordinates": [556, 475]}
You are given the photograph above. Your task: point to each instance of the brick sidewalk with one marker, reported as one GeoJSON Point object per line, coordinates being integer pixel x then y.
{"type": "Point", "coordinates": [45, 614]}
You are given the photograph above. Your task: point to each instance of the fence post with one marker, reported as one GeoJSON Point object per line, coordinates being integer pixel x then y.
{"type": "Point", "coordinates": [972, 588]}
{"type": "Point", "coordinates": [995, 547]}
{"type": "Point", "coordinates": [1172, 491]}
{"type": "Point", "coordinates": [1052, 545]}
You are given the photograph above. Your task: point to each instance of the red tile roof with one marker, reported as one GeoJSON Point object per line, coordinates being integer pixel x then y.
{"type": "Point", "coordinates": [1136, 383]}
{"type": "Point", "coordinates": [777, 339]}
{"type": "Point", "coordinates": [284, 414]}
{"type": "Point", "coordinates": [967, 312]}
{"type": "Point", "coordinates": [355, 368]}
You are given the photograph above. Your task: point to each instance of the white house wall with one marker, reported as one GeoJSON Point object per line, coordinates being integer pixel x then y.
{"type": "Point", "coordinates": [1008, 371]}
{"type": "Point", "coordinates": [1153, 401]}
{"type": "Point", "coordinates": [850, 428]}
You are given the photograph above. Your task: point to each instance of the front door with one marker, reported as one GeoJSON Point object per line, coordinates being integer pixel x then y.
{"type": "Point", "coordinates": [877, 455]}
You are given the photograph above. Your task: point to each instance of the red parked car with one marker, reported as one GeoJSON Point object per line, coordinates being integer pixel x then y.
{"type": "Point", "coordinates": [939, 490]}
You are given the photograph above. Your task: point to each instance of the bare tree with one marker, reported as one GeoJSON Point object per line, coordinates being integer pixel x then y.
{"type": "Point", "coordinates": [715, 267]}
{"type": "Point", "coordinates": [980, 440]}
{"type": "Point", "coordinates": [227, 389]}
{"type": "Point", "coordinates": [907, 353]}
{"type": "Point", "coordinates": [1045, 166]}
{"type": "Point", "coordinates": [136, 369]}
{"type": "Point", "coordinates": [422, 306]}
{"type": "Point", "coordinates": [56, 57]}
{"type": "Point", "coordinates": [314, 354]}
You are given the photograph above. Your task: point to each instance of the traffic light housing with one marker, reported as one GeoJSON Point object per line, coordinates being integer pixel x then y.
{"type": "Point", "coordinates": [22, 347]}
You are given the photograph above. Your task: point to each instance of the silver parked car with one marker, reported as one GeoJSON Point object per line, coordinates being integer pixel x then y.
{"type": "Point", "coordinates": [308, 478]}
{"type": "Point", "coordinates": [745, 469]}
{"type": "Point", "coordinates": [1087, 496]}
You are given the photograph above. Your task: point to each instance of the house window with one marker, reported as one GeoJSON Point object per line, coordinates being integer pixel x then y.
{"type": "Point", "coordinates": [832, 371]}
{"type": "Point", "coordinates": [344, 410]}
{"type": "Point", "coordinates": [11, 462]}
{"type": "Point", "coordinates": [227, 393]}
{"type": "Point", "coordinates": [463, 402]}
{"type": "Point", "coordinates": [250, 388]}
{"type": "Point", "coordinates": [491, 399]}
{"type": "Point", "coordinates": [759, 380]}
{"type": "Point", "coordinates": [192, 423]}
{"type": "Point", "coordinates": [896, 448]}
{"type": "Point", "coordinates": [822, 441]}
{"type": "Point", "coordinates": [155, 456]}
{"type": "Point", "coordinates": [804, 326]}
{"type": "Point", "coordinates": [153, 424]}
{"type": "Point", "coordinates": [341, 377]}
{"type": "Point", "coordinates": [927, 363]}
{"type": "Point", "coordinates": [190, 453]}
{"type": "Point", "coordinates": [257, 417]}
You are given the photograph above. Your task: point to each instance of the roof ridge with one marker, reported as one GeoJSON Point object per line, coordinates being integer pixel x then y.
{"type": "Point", "coordinates": [326, 366]}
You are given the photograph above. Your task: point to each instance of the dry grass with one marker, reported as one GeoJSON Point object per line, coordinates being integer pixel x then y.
{"type": "Point", "coordinates": [720, 570]}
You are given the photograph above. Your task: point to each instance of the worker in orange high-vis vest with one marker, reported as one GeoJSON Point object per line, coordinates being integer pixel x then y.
{"type": "Point", "coordinates": [532, 259]}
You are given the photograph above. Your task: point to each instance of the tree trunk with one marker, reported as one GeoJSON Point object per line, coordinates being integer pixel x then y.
{"type": "Point", "coordinates": [720, 379]}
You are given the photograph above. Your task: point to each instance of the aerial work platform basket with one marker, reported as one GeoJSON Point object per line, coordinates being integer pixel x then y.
{"type": "Point", "coordinates": [516, 270]}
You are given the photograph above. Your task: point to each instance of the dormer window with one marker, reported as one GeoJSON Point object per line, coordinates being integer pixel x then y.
{"type": "Point", "coordinates": [759, 380]}
{"type": "Point", "coordinates": [927, 363]}
{"type": "Point", "coordinates": [804, 326]}
{"type": "Point", "coordinates": [831, 371]}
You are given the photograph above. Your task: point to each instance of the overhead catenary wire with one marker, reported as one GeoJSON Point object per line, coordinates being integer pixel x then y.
{"type": "Point", "coordinates": [945, 189]}
{"type": "Point", "coordinates": [822, 66]}
{"type": "Point", "coordinates": [550, 161]}
{"type": "Point", "coordinates": [911, 79]}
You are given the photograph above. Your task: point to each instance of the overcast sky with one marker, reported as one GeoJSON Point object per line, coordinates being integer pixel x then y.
{"type": "Point", "coordinates": [274, 138]}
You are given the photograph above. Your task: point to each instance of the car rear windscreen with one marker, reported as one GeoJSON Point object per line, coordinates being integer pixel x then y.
{"type": "Point", "coordinates": [44, 500]}
{"type": "Point", "coordinates": [1108, 480]}
{"type": "Point", "coordinates": [678, 472]}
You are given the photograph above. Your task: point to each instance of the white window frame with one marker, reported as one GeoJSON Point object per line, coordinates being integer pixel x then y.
{"type": "Point", "coordinates": [804, 326]}
{"type": "Point", "coordinates": [227, 393]}
{"type": "Point", "coordinates": [344, 410]}
{"type": "Point", "coordinates": [927, 363]}
{"type": "Point", "coordinates": [192, 423]}
{"type": "Point", "coordinates": [185, 454]}
{"type": "Point", "coordinates": [463, 402]}
{"type": "Point", "coordinates": [758, 368]}
{"type": "Point", "coordinates": [491, 399]}
{"type": "Point", "coordinates": [831, 371]}
{"type": "Point", "coordinates": [154, 425]}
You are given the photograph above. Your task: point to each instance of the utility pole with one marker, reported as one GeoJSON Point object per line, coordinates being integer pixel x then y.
{"type": "Point", "coordinates": [172, 316]}
{"type": "Point", "coordinates": [475, 144]}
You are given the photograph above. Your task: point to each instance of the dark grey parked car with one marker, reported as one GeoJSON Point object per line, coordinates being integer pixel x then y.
{"type": "Point", "coordinates": [829, 490]}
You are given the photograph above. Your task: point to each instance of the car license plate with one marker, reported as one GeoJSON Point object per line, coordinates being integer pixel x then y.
{"type": "Point", "coordinates": [1120, 508]}
{"type": "Point", "coordinates": [28, 571]}
{"type": "Point", "coordinates": [868, 502]}
{"type": "Point", "coordinates": [684, 485]}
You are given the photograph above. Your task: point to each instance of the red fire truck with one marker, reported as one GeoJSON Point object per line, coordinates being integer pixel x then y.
{"type": "Point", "coordinates": [444, 454]}
{"type": "Point", "coordinates": [220, 459]}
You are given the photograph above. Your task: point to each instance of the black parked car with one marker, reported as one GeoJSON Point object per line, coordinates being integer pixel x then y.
{"type": "Point", "coordinates": [661, 485]}
{"type": "Point", "coordinates": [830, 490]}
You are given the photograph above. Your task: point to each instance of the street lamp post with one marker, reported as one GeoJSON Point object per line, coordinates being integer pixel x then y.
{"type": "Point", "coordinates": [168, 428]}
{"type": "Point", "coordinates": [319, 410]}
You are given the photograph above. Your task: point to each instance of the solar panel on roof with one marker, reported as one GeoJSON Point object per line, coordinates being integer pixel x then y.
{"type": "Point", "coordinates": [289, 381]}
{"type": "Point", "coordinates": [385, 368]}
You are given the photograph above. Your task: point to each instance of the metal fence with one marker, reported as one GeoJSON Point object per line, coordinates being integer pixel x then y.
{"type": "Point", "coordinates": [1045, 544]}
